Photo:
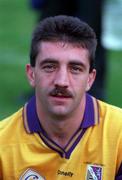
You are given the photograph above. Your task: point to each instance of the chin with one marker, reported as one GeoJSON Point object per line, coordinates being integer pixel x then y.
{"type": "Point", "coordinates": [59, 113]}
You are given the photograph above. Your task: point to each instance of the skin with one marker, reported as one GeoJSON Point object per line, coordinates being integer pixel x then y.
{"type": "Point", "coordinates": [61, 78]}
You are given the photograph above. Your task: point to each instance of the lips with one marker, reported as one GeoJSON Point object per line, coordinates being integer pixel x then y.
{"type": "Point", "coordinates": [59, 100]}
{"type": "Point", "coordinates": [61, 97]}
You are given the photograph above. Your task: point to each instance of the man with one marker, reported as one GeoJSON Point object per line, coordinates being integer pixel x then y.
{"type": "Point", "coordinates": [62, 132]}
{"type": "Point", "coordinates": [90, 12]}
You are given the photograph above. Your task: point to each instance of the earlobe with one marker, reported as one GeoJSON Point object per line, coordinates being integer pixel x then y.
{"type": "Point", "coordinates": [30, 75]}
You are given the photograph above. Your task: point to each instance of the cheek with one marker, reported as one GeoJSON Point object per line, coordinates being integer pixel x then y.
{"type": "Point", "coordinates": [78, 88]}
{"type": "Point", "coordinates": [81, 82]}
{"type": "Point", "coordinates": [42, 82]}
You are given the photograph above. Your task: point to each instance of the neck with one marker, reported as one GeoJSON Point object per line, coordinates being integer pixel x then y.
{"type": "Point", "coordinates": [60, 130]}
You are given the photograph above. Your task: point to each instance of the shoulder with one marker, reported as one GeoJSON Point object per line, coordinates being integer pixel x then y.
{"type": "Point", "coordinates": [110, 110]}
{"type": "Point", "coordinates": [10, 120]}
{"type": "Point", "coordinates": [110, 115]}
{"type": "Point", "coordinates": [10, 126]}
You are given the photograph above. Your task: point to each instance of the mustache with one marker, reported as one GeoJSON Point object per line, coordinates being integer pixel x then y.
{"type": "Point", "coordinates": [61, 91]}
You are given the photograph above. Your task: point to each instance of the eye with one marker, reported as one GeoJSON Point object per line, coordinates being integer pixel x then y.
{"type": "Point", "coordinates": [49, 67]}
{"type": "Point", "coordinates": [76, 69]}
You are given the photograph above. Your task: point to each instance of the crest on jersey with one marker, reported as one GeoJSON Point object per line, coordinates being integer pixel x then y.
{"type": "Point", "coordinates": [94, 172]}
{"type": "Point", "coordinates": [31, 175]}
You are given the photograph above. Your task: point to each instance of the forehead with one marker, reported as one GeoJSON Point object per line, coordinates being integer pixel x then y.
{"type": "Point", "coordinates": [62, 51]}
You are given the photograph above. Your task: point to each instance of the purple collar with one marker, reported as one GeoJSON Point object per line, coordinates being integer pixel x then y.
{"type": "Point", "coordinates": [32, 124]}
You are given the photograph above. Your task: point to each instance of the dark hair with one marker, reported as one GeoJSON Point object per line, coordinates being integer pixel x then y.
{"type": "Point", "coordinates": [67, 29]}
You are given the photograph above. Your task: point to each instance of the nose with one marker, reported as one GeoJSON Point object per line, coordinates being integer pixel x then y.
{"type": "Point", "coordinates": [62, 78]}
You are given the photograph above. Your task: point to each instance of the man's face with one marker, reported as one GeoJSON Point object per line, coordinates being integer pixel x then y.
{"type": "Point", "coordinates": [60, 78]}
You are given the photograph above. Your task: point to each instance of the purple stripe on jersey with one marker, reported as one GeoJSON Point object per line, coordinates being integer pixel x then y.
{"type": "Point", "coordinates": [68, 153]}
{"type": "Point", "coordinates": [32, 117]}
{"type": "Point", "coordinates": [60, 151]}
{"type": "Point", "coordinates": [119, 174]}
{"type": "Point", "coordinates": [88, 119]}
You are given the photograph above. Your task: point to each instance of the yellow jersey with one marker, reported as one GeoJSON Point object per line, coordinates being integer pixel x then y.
{"type": "Point", "coordinates": [93, 153]}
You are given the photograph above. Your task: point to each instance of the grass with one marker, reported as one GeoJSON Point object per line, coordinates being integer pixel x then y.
{"type": "Point", "coordinates": [17, 21]}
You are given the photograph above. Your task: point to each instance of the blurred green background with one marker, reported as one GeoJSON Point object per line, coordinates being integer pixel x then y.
{"type": "Point", "coordinates": [16, 25]}
{"type": "Point", "coordinates": [17, 21]}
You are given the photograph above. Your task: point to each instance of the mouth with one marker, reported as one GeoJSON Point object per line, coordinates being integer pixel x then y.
{"type": "Point", "coordinates": [61, 96]}
{"type": "Point", "coordinates": [60, 100]}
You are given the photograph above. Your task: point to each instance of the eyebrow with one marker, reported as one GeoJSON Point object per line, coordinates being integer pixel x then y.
{"type": "Point", "coordinates": [48, 60]}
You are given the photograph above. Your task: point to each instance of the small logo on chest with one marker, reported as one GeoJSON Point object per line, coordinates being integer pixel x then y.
{"type": "Point", "coordinates": [31, 175]}
{"type": "Point", "coordinates": [94, 172]}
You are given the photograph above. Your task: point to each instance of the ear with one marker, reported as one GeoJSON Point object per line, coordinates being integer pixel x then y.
{"type": "Point", "coordinates": [91, 79]}
{"type": "Point", "coordinates": [30, 74]}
